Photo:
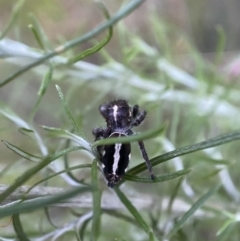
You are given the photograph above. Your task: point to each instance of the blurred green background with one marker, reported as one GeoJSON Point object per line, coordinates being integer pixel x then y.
{"type": "Point", "coordinates": [179, 60]}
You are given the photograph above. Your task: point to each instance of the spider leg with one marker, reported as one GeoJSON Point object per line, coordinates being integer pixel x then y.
{"type": "Point", "coordinates": [103, 110]}
{"type": "Point", "coordinates": [101, 133]}
{"type": "Point", "coordinates": [135, 111]}
{"type": "Point", "coordinates": [144, 155]}
{"type": "Point", "coordinates": [140, 118]}
{"type": "Point", "coordinates": [98, 132]}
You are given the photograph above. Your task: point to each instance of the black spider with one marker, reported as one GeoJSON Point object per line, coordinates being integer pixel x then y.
{"type": "Point", "coordinates": [120, 119]}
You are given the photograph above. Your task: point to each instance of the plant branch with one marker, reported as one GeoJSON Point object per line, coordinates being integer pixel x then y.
{"type": "Point", "coordinates": [123, 12]}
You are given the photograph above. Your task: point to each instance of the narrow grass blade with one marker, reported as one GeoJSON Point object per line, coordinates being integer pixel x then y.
{"type": "Point", "coordinates": [174, 195]}
{"type": "Point", "coordinates": [83, 228]}
{"type": "Point", "coordinates": [17, 225]}
{"type": "Point", "coordinates": [8, 113]}
{"type": "Point", "coordinates": [42, 202]}
{"type": "Point", "coordinates": [66, 166]}
{"type": "Point", "coordinates": [216, 141]}
{"type": "Point", "coordinates": [25, 131]}
{"type": "Point", "coordinates": [43, 87]}
{"type": "Point", "coordinates": [139, 219]}
{"type": "Point", "coordinates": [197, 205]}
{"type": "Point", "coordinates": [228, 232]}
{"type": "Point", "coordinates": [30, 172]}
{"type": "Point", "coordinates": [66, 134]}
{"type": "Point", "coordinates": [158, 178]}
{"type": "Point", "coordinates": [225, 226]}
{"type": "Point", "coordinates": [39, 34]}
{"type": "Point", "coordinates": [122, 13]}
{"type": "Point", "coordinates": [9, 166]}
{"type": "Point", "coordinates": [120, 215]}
{"type": "Point", "coordinates": [22, 153]}
{"type": "Point", "coordinates": [68, 112]}
{"type": "Point", "coordinates": [46, 80]}
{"type": "Point", "coordinates": [221, 44]}
{"type": "Point", "coordinates": [142, 136]}
{"type": "Point", "coordinates": [13, 18]}
{"type": "Point", "coordinates": [56, 174]}
{"type": "Point", "coordinates": [48, 217]}
{"type": "Point", "coordinates": [98, 46]}
{"type": "Point", "coordinates": [96, 194]}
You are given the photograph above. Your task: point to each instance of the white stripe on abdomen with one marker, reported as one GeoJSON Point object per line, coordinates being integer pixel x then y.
{"type": "Point", "coordinates": [116, 157]}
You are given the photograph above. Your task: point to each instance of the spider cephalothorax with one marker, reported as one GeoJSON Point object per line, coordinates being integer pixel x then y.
{"type": "Point", "coordinates": [120, 119]}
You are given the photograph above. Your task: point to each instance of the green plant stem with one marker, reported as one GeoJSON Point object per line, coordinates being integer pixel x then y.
{"type": "Point", "coordinates": [123, 12]}
{"type": "Point", "coordinates": [19, 229]}
{"type": "Point", "coordinates": [29, 173]}
{"type": "Point", "coordinates": [36, 203]}
{"type": "Point", "coordinates": [216, 141]}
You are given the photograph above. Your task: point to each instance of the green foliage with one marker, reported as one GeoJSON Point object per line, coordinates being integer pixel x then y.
{"type": "Point", "coordinates": [195, 154]}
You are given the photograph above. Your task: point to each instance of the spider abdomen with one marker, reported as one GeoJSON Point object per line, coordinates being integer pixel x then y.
{"type": "Point", "coordinates": [115, 160]}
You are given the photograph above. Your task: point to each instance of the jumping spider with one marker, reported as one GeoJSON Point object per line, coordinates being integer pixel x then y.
{"type": "Point", "coordinates": [120, 120]}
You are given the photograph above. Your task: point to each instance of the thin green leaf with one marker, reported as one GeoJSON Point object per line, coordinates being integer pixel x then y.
{"type": "Point", "coordinates": [68, 112]}
{"type": "Point", "coordinates": [8, 113]}
{"type": "Point", "coordinates": [56, 174]}
{"type": "Point", "coordinates": [77, 236]}
{"type": "Point", "coordinates": [30, 172]}
{"type": "Point", "coordinates": [225, 226]}
{"type": "Point", "coordinates": [216, 141]}
{"type": "Point", "coordinates": [39, 33]}
{"type": "Point", "coordinates": [83, 228]}
{"type": "Point", "coordinates": [49, 217]}
{"type": "Point", "coordinates": [158, 178]}
{"type": "Point", "coordinates": [36, 35]}
{"type": "Point", "coordinates": [17, 225]}
{"type": "Point", "coordinates": [13, 18]}
{"type": "Point", "coordinates": [228, 232]}
{"type": "Point", "coordinates": [221, 44]}
{"type": "Point", "coordinates": [139, 219]}
{"type": "Point", "coordinates": [98, 46]}
{"type": "Point", "coordinates": [66, 166]}
{"type": "Point", "coordinates": [26, 131]}
{"type": "Point", "coordinates": [211, 174]}
{"type": "Point", "coordinates": [197, 205]}
{"type": "Point", "coordinates": [9, 166]}
{"type": "Point", "coordinates": [213, 161]}
{"type": "Point", "coordinates": [36, 203]}
{"type": "Point", "coordinates": [43, 87]}
{"type": "Point", "coordinates": [96, 194]}
{"type": "Point", "coordinates": [122, 13]}
{"type": "Point", "coordinates": [142, 136]}
{"type": "Point", "coordinates": [66, 134]}
{"type": "Point", "coordinates": [22, 153]}
{"type": "Point", "coordinates": [120, 215]}
{"type": "Point", "coordinates": [46, 80]}
{"type": "Point", "coordinates": [174, 195]}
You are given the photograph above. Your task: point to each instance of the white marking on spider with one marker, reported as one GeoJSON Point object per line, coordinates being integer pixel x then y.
{"type": "Point", "coordinates": [103, 166]}
{"type": "Point", "coordinates": [115, 109]}
{"type": "Point", "coordinates": [116, 157]}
